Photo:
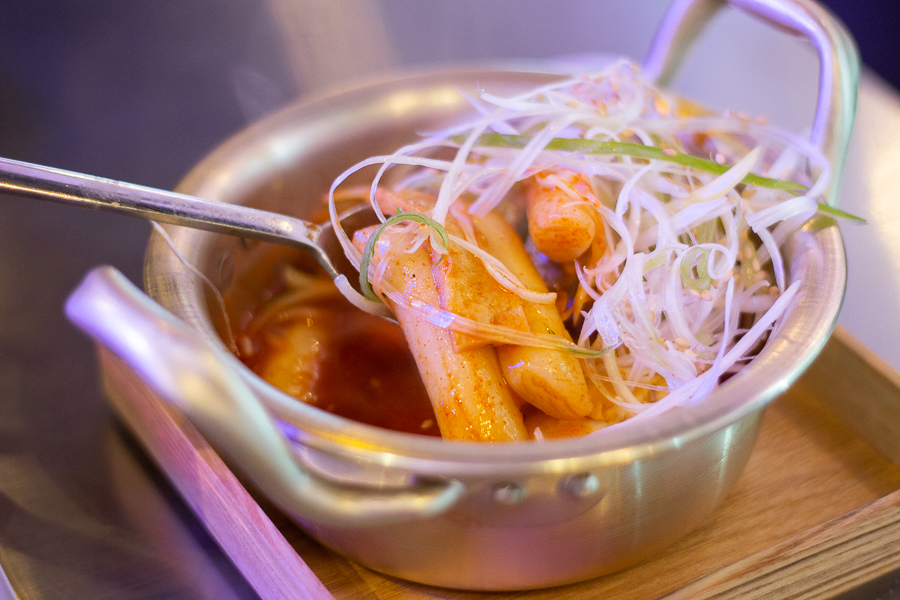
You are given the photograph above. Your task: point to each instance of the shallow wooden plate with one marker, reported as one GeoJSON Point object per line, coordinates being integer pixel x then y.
{"type": "Point", "coordinates": [815, 514]}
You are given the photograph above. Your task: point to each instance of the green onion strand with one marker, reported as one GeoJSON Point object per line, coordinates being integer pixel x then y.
{"type": "Point", "coordinates": [369, 250]}
{"type": "Point", "coordinates": [831, 211]}
{"type": "Point", "coordinates": [699, 258]}
{"type": "Point", "coordinates": [500, 140]}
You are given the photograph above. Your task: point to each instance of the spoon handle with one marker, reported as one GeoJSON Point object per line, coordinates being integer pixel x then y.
{"type": "Point", "coordinates": [87, 191]}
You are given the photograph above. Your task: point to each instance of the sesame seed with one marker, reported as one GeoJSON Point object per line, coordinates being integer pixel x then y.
{"type": "Point", "coordinates": [695, 293]}
{"type": "Point", "coordinates": [773, 291]}
{"type": "Point", "coordinates": [572, 104]}
{"type": "Point", "coordinates": [761, 278]}
{"type": "Point", "coordinates": [756, 264]}
{"type": "Point", "coordinates": [761, 121]}
{"type": "Point", "coordinates": [720, 159]}
{"type": "Point", "coordinates": [706, 295]}
{"type": "Point", "coordinates": [690, 353]}
{"type": "Point", "coordinates": [682, 342]}
{"type": "Point", "coordinates": [669, 152]}
{"type": "Point", "coordinates": [743, 116]}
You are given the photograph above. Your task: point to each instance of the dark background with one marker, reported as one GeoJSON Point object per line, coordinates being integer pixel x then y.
{"type": "Point", "coordinates": [140, 90]}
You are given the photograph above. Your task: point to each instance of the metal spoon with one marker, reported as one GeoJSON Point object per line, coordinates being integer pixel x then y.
{"type": "Point", "coordinates": [77, 189]}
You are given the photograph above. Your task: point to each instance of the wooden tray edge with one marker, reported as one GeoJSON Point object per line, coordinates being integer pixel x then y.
{"type": "Point", "coordinates": [230, 514]}
{"type": "Point", "coordinates": [857, 547]}
{"type": "Point", "coordinates": [820, 562]}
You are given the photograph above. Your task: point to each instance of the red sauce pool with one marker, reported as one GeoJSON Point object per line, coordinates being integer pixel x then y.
{"type": "Point", "coordinates": [361, 367]}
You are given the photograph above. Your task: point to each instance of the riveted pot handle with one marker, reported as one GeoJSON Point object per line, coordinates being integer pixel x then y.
{"type": "Point", "coordinates": [838, 61]}
{"type": "Point", "coordinates": [191, 374]}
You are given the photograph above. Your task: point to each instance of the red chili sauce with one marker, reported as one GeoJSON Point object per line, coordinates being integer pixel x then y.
{"type": "Point", "coordinates": [328, 353]}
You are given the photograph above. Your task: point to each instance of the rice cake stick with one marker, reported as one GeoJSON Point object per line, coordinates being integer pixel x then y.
{"type": "Point", "coordinates": [464, 286]}
{"type": "Point", "coordinates": [470, 397]}
{"type": "Point", "coordinates": [558, 222]}
{"type": "Point", "coordinates": [551, 380]}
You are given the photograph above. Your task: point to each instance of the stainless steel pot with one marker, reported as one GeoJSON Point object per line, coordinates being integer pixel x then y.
{"type": "Point", "coordinates": [462, 515]}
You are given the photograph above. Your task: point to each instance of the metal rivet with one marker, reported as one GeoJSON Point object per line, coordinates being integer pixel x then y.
{"type": "Point", "coordinates": [582, 486]}
{"type": "Point", "coordinates": [509, 494]}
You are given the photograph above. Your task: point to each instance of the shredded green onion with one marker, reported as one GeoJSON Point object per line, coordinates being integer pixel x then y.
{"type": "Point", "coordinates": [369, 250]}
{"type": "Point", "coordinates": [688, 262]}
{"type": "Point", "coordinates": [708, 231]}
{"type": "Point", "coordinates": [831, 211]}
{"type": "Point", "coordinates": [488, 331]}
{"type": "Point", "coordinates": [500, 140]}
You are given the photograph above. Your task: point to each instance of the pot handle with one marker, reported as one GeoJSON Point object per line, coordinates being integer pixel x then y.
{"type": "Point", "coordinates": [838, 61]}
{"type": "Point", "coordinates": [192, 375]}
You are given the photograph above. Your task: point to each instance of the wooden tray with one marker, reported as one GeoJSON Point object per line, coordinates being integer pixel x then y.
{"type": "Point", "coordinates": [815, 514]}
